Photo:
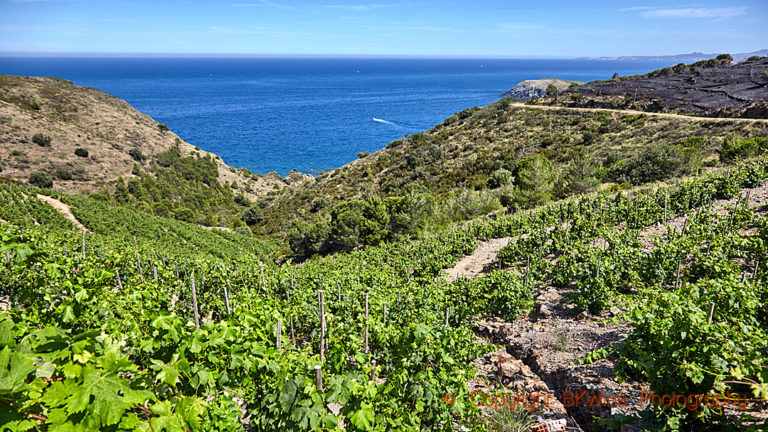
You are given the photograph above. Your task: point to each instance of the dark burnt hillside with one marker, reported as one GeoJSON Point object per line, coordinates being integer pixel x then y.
{"type": "Point", "coordinates": [712, 88]}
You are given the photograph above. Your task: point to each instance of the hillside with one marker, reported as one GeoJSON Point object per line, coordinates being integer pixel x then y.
{"type": "Point", "coordinates": [714, 88]}
{"type": "Point", "coordinates": [86, 140]}
{"type": "Point", "coordinates": [495, 153]}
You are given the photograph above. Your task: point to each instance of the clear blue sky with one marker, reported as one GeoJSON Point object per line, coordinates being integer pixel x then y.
{"type": "Point", "coordinates": [476, 27]}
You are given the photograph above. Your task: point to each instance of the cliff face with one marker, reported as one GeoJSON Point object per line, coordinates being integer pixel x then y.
{"type": "Point", "coordinates": [532, 89]}
{"type": "Point", "coordinates": [114, 134]}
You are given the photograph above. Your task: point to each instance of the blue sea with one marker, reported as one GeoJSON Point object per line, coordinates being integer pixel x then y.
{"type": "Point", "coordinates": [309, 114]}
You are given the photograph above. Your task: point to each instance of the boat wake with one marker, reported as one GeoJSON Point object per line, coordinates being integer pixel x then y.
{"type": "Point", "coordinates": [391, 123]}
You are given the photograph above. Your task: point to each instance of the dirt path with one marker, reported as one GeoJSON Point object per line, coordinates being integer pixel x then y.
{"type": "Point", "coordinates": [63, 209]}
{"type": "Point", "coordinates": [620, 111]}
{"type": "Point", "coordinates": [471, 266]}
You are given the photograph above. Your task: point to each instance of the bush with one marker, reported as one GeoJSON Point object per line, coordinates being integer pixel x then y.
{"type": "Point", "coordinates": [137, 155]}
{"type": "Point", "coordinates": [660, 161]}
{"type": "Point", "coordinates": [552, 91]}
{"type": "Point", "coordinates": [244, 231]}
{"type": "Point", "coordinates": [500, 177]}
{"type": "Point", "coordinates": [40, 179]}
{"type": "Point", "coordinates": [242, 200]}
{"type": "Point", "coordinates": [252, 215]}
{"type": "Point", "coordinates": [535, 180]}
{"type": "Point", "coordinates": [62, 173]}
{"type": "Point", "coordinates": [81, 152]}
{"type": "Point", "coordinates": [735, 148]}
{"type": "Point", "coordinates": [163, 127]}
{"type": "Point", "coordinates": [41, 140]}
{"type": "Point", "coordinates": [363, 154]}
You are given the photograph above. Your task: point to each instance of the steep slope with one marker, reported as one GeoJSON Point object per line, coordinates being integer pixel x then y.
{"type": "Point", "coordinates": [715, 88]}
{"type": "Point", "coordinates": [113, 133]}
{"type": "Point", "coordinates": [482, 148]}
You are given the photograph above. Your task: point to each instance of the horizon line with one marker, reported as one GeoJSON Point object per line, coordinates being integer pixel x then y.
{"type": "Point", "coordinates": [270, 55]}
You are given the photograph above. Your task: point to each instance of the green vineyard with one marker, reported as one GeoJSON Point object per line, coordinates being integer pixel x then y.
{"type": "Point", "coordinates": [145, 323]}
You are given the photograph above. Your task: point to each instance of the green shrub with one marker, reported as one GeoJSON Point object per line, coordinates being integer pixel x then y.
{"type": "Point", "coordinates": [660, 161]}
{"type": "Point", "coordinates": [318, 204]}
{"type": "Point", "coordinates": [363, 154]}
{"type": "Point", "coordinates": [137, 155]}
{"type": "Point", "coordinates": [552, 91]}
{"type": "Point", "coordinates": [41, 140]}
{"type": "Point", "coordinates": [63, 173]}
{"type": "Point", "coordinates": [81, 152]}
{"type": "Point", "coordinates": [252, 215]}
{"type": "Point", "coordinates": [242, 200]}
{"type": "Point", "coordinates": [535, 180]}
{"type": "Point", "coordinates": [40, 179]}
{"type": "Point", "coordinates": [244, 231]}
{"type": "Point", "coordinates": [163, 127]}
{"type": "Point", "coordinates": [15, 153]}
{"type": "Point", "coordinates": [735, 148]}
{"type": "Point", "coordinates": [500, 177]}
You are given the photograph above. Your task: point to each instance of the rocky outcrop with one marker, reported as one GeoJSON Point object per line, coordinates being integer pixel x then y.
{"type": "Point", "coordinates": [532, 89]}
{"type": "Point", "coordinates": [296, 177]}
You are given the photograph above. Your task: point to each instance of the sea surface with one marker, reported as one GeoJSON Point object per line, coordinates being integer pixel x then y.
{"type": "Point", "coordinates": [310, 114]}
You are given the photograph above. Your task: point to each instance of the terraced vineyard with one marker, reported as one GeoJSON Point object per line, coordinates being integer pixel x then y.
{"type": "Point", "coordinates": [104, 332]}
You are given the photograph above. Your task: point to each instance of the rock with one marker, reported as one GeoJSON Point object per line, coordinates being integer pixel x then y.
{"type": "Point", "coordinates": [297, 177]}
{"type": "Point", "coordinates": [507, 370]}
{"type": "Point", "coordinates": [582, 315]}
{"type": "Point", "coordinates": [532, 89]}
{"type": "Point", "coordinates": [615, 311]}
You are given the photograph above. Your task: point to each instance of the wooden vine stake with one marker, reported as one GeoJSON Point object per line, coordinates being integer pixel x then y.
{"type": "Point", "coordinates": [677, 276]}
{"type": "Point", "coordinates": [373, 370]}
{"type": "Point", "coordinates": [138, 261]}
{"type": "Point", "coordinates": [263, 281]}
{"type": "Point", "coordinates": [338, 288]}
{"type": "Point", "coordinates": [293, 336]}
{"type": "Point", "coordinates": [366, 323]}
{"type": "Point", "coordinates": [66, 252]}
{"type": "Point", "coordinates": [321, 308]}
{"type": "Point", "coordinates": [447, 313]}
{"type": "Point", "coordinates": [319, 377]}
{"type": "Point", "coordinates": [279, 334]}
{"type": "Point", "coordinates": [194, 305]}
{"type": "Point", "coordinates": [8, 256]}
{"type": "Point", "coordinates": [711, 312]}
{"type": "Point", "coordinates": [154, 271]}
{"type": "Point", "coordinates": [754, 273]}
{"type": "Point", "coordinates": [226, 298]}
{"type": "Point", "coordinates": [385, 314]}
{"type": "Point", "coordinates": [119, 282]}
{"type": "Point", "coordinates": [527, 270]}
{"type": "Point", "coordinates": [599, 263]}
{"type": "Point", "coordinates": [83, 243]}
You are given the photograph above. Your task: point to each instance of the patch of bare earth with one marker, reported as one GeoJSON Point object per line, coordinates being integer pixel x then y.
{"type": "Point", "coordinates": [63, 209]}
{"type": "Point", "coordinates": [472, 265]}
